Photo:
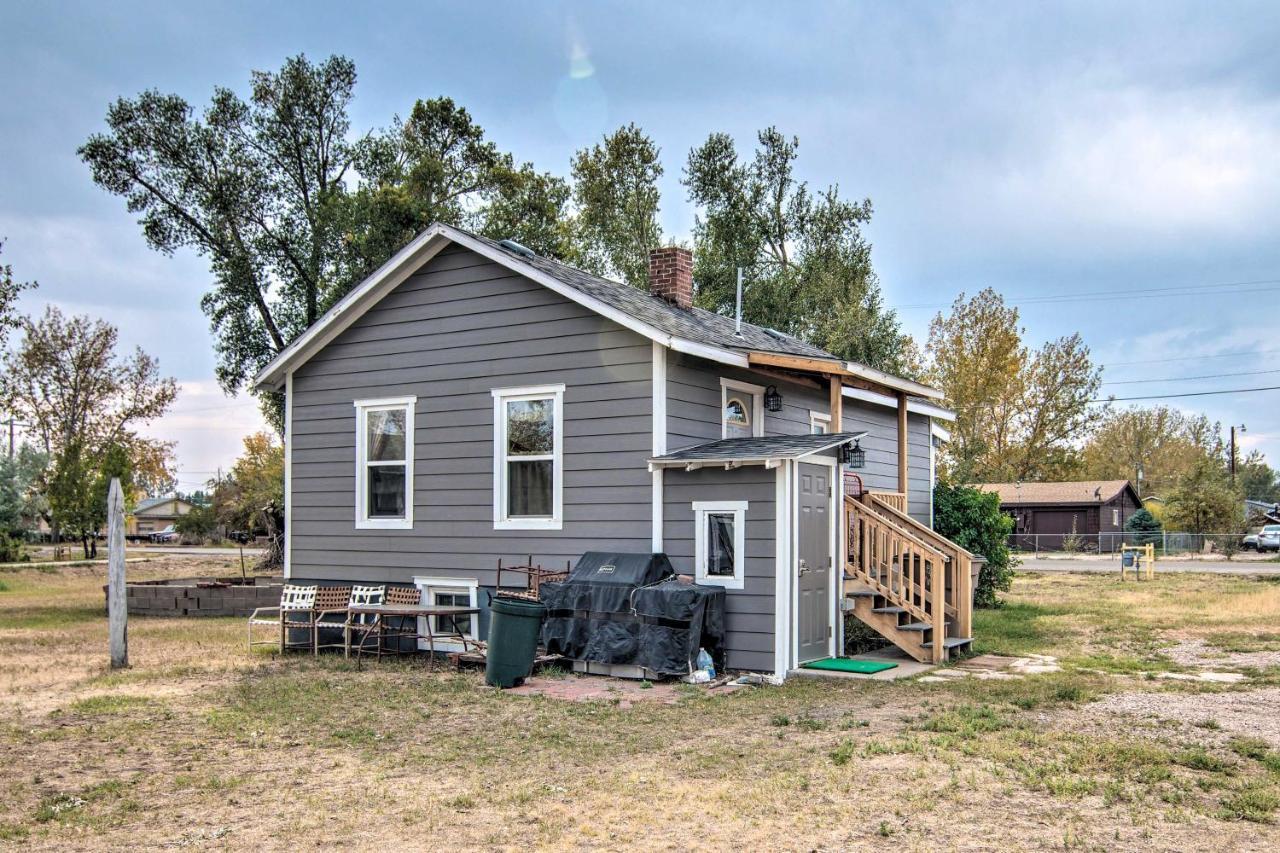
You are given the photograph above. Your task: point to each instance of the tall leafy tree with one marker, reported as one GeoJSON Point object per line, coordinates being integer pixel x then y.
{"type": "Point", "coordinates": [1204, 501]}
{"type": "Point", "coordinates": [806, 262]}
{"type": "Point", "coordinates": [1154, 446]}
{"type": "Point", "coordinates": [10, 290]}
{"type": "Point", "coordinates": [85, 402]}
{"type": "Point", "coordinates": [437, 166]}
{"type": "Point", "coordinates": [1258, 480]}
{"type": "Point", "coordinates": [22, 500]}
{"type": "Point", "coordinates": [615, 190]}
{"type": "Point", "coordinates": [253, 185]}
{"type": "Point", "coordinates": [1020, 413]}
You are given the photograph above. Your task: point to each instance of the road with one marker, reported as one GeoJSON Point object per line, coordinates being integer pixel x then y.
{"type": "Point", "coordinates": [1093, 564]}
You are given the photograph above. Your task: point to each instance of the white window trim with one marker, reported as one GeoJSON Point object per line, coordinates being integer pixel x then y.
{"type": "Point", "coordinates": [700, 511]}
{"type": "Point", "coordinates": [430, 586]}
{"type": "Point", "coordinates": [363, 407]}
{"type": "Point", "coordinates": [757, 404]}
{"type": "Point", "coordinates": [816, 418]}
{"type": "Point", "coordinates": [501, 396]}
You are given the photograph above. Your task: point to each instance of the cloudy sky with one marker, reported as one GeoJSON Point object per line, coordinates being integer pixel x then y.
{"type": "Point", "coordinates": [1112, 170]}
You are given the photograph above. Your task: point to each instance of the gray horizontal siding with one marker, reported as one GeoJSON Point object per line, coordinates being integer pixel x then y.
{"type": "Point", "coordinates": [458, 328]}
{"type": "Point", "coordinates": [749, 611]}
{"type": "Point", "coordinates": [693, 401]}
{"type": "Point", "coordinates": [881, 445]}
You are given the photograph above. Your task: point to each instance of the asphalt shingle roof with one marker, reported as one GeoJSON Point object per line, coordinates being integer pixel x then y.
{"type": "Point", "coordinates": [1081, 492]}
{"type": "Point", "coordinates": [693, 324]}
{"type": "Point", "coordinates": [768, 447]}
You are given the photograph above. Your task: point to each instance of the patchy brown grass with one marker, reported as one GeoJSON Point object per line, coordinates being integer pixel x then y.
{"type": "Point", "coordinates": [203, 743]}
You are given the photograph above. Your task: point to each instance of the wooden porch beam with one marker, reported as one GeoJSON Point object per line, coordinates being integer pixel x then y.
{"type": "Point", "coordinates": [796, 362]}
{"type": "Point", "coordinates": [837, 404]}
{"type": "Point", "coordinates": [902, 448]}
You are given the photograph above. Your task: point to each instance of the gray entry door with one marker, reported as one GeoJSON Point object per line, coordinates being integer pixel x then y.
{"type": "Point", "coordinates": [813, 568]}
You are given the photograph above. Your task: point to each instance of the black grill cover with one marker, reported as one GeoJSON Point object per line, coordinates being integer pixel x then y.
{"type": "Point", "coordinates": [591, 617]}
{"type": "Point", "coordinates": [621, 569]}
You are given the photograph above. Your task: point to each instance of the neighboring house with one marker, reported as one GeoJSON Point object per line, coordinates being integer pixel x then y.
{"type": "Point", "coordinates": [472, 401]}
{"type": "Point", "coordinates": [152, 514]}
{"type": "Point", "coordinates": [1155, 505]}
{"type": "Point", "coordinates": [1045, 513]}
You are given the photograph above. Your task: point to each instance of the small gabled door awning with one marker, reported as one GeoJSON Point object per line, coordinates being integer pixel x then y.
{"type": "Point", "coordinates": [769, 451]}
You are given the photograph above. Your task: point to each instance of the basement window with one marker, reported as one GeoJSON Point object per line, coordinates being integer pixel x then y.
{"type": "Point", "coordinates": [528, 458]}
{"type": "Point", "coordinates": [720, 543]}
{"type": "Point", "coordinates": [384, 463]}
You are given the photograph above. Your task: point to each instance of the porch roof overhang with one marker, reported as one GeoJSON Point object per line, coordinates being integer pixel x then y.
{"type": "Point", "coordinates": [769, 451]}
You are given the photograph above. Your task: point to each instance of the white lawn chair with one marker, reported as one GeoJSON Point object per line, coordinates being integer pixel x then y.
{"type": "Point", "coordinates": [295, 600]}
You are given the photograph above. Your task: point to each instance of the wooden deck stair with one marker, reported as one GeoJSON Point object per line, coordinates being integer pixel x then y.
{"type": "Point", "coordinates": [895, 565]}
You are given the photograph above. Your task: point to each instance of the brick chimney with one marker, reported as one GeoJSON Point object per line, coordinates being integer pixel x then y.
{"type": "Point", "coordinates": [671, 275]}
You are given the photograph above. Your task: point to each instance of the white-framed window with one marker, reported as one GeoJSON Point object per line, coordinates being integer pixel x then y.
{"type": "Point", "coordinates": [384, 463]}
{"type": "Point", "coordinates": [449, 592]}
{"type": "Point", "coordinates": [528, 458]}
{"type": "Point", "coordinates": [819, 424]}
{"type": "Point", "coordinates": [741, 409]}
{"type": "Point", "coordinates": [1115, 517]}
{"type": "Point", "coordinates": [719, 554]}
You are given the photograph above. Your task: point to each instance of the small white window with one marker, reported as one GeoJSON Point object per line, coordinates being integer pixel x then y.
{"type": "Point", "coordinates": [1115, 517]}
{"type": "Point", "coordinates": [528, 458]}
{"type": "Point", "coordinates": [719, 543]}
{"type": "Point", "coordinates": [741, 409]}
{"type": "Point", "coordinates": [819, 424]}
{"type": "Point", "coordinates": [384, 463]}
{"type": "Point", "coordinates": [449, 592]}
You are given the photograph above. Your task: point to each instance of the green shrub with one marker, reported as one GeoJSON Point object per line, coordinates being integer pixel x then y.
{"type": "Point", "coordinates": [1147, 527]}
{"type": "Point", "coordinates": [12, 549]}
{"type": "Point", "coordinates": [973, 520]}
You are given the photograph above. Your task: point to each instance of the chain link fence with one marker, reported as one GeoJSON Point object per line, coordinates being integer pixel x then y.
{"type": "Point", "coordinates": [1174, 543]}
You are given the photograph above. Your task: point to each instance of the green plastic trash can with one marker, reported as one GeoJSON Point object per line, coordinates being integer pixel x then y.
{"type": "Point", "coordinates": [514, 625]}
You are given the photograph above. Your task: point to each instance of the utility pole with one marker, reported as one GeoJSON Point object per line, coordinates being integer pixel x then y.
{"type": "Point", "coordinates": [1233, 453]}
{"type": "Point", "coordinates": [11, 423]}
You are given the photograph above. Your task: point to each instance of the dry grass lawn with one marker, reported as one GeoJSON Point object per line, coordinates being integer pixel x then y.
{"type": "Point", "coordinates": [203, 744]}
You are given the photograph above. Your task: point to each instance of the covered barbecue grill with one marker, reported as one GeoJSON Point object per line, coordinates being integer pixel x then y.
{"type": "Point", "coordinates": [629, 615]}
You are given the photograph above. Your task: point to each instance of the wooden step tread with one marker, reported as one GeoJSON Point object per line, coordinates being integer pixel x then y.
{"type": "Point", "coordinates": [915, 626]}
{"type": "Point", "coordinates": [889, 610]}
{"type": "Point", "coordinates": [950, 642]}
{"type": "Point", "coordinates": [861, 593]}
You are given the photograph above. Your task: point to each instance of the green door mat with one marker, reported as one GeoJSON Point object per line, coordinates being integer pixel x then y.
{"type": "Point", "coordinates": [865, 667]}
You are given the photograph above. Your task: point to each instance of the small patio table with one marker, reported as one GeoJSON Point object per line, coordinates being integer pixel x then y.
{"type": "Point", "coordinates": [378, 627]}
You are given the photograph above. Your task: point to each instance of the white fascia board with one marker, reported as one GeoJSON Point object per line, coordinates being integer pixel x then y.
{"type": "Point", "coordinates": [940, 432]}
{"type": "Point", "coordinates": [918, 407]}
{"type": "Point", "coordinates": [420, 250]}
{"type": "Point", "coordinates": [890, 381]}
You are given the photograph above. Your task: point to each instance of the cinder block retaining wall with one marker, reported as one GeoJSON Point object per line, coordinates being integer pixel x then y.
{"type": "Point", "coordinates": [185, 597]}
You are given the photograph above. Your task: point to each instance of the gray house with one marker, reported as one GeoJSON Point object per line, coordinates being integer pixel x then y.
{"type": "Point", "coordinates": [472, 401]}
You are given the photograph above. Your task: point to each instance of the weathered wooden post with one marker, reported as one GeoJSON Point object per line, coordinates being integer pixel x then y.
{"type": "Point", "coordinates": [117, 598]}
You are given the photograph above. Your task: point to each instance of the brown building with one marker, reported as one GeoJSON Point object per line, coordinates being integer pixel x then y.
{"type": "Point", "coordinates": [1049, 512]}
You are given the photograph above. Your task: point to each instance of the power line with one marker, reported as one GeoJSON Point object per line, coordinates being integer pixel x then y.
{"type": "Point", "coordinates": [1189, 394]}
{"type": "Point", "coordinates": [1258, 286]}
{"type": "Point", "coordinates": [1190, 378]}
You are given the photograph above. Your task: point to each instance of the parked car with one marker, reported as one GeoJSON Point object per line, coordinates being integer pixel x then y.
{"type": "Point", "coordinates": [1249, 542]}
{"type": "Point", "coordinates": [1269, 538]}
{"type": "Point", "coordinates": [166, 535]}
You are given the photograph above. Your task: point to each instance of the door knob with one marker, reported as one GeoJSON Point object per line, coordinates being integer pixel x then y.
{"type": "Point", "coordinates": [804, 567]}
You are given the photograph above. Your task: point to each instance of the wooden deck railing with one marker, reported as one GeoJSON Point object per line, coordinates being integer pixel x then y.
{"type": "Point", "coordinates": [897, 500]}
{"type": "Point", "coordinates": [899, 566]}
{"type": "Point", "coordinates": [959, 578]}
